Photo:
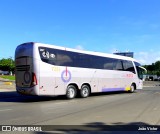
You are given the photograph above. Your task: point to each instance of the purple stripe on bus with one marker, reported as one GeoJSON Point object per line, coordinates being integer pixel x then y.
{"type": "Point", "coordinates": [112, 89]}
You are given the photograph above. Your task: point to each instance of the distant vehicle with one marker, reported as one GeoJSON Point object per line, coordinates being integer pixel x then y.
{"type": "Point", "coordinates": [4, 72]}
{"type": "Point", "coordinates": [150, 77]}
{"type": "Point", "coordinates": [53, 70]}
{"type": "Point", "coordinates": [153, 77]}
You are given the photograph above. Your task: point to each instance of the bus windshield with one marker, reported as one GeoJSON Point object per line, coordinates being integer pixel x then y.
{"type": "Point", "coordinates": [140, 70]}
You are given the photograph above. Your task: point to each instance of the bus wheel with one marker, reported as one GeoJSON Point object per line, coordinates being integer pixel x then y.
{"type": "Point", "coordinates": [85, 91]}
{"type": "Point", "coordinates": [71, 92]}
{"type": "Point", "coordinates": [132, 88]}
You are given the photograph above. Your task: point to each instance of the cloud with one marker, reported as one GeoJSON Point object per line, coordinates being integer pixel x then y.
{"type": "Point", "coordinates": [79, 47]}
{"type": "Point", "coordinates": [146, 58]}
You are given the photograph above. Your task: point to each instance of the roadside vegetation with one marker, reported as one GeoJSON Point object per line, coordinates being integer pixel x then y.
{"type": "Point", "coordinates": [153, 69]}
{"type": "Point", "coordinates": [9, 77]}
{"type": "Point", "coordinates": [7, 64]}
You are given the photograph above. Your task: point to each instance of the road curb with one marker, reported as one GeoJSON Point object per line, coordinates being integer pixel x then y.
{"type": "Point", "coordinates": [8, 83]}
{"type": "Point", "coordinates": [7, 90]}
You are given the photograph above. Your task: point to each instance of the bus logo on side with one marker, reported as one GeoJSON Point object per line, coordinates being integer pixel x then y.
{"type": "Point", "coordinates": [66, 76]}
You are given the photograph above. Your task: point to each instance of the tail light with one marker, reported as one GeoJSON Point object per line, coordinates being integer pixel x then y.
{"type": "Point", "coordinates": [34, 80]}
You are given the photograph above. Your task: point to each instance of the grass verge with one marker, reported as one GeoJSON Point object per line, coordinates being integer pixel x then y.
{"type": "Point", "coordinates": [9, 77]}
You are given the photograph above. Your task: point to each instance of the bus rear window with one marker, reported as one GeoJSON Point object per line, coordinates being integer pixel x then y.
{"type": "Point", "coordinates": [25, 49]}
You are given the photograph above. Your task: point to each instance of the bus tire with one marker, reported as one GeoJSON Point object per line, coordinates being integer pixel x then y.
{"type": "Point", "coordinates": [71, 92]}
{"type": "Point", "coordinates": [85, 91]}
{"type": "Point", "coordinates": [132, 88]}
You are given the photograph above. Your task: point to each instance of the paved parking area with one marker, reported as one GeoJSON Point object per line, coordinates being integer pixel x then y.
{"type": "Point", "coordinates": [5, 86]}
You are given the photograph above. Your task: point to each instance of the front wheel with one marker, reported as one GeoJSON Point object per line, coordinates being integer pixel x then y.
{"type": "Point", "coordinates": [132, 88]}
{"type": "Point", "coordinates": [71, 92]}
{"type": "Point", "coordinates": [85, 91]}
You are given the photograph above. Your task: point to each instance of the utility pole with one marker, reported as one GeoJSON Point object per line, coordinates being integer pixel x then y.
{"type": "Point", "coordinates": [11, 65]}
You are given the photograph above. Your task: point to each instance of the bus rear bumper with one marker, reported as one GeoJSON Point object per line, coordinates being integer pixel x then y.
{"type": "Point", "coordinates": [27, 91]}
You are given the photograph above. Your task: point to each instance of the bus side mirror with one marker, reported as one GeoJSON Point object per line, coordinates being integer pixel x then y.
{"type": "Point", "coordinates": [143, 69]}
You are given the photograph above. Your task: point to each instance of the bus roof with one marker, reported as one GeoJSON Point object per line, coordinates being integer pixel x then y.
{"type": "Point", "coordinates": [84, 51]}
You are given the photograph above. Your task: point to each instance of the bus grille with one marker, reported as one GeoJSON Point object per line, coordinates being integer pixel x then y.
{"type": "Point", "coordinates": [23, 68]}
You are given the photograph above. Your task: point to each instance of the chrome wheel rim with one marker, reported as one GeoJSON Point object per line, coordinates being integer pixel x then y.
{"type": "Point", "coordinates": [71, 93]}
{"type": "Point", "coordinates": [85, 92]}
{"type": "Point", "coordinates": [132, 88]}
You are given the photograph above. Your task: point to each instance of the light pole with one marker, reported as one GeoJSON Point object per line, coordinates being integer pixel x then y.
{"type": "Point", "coordinates": [11, 65]}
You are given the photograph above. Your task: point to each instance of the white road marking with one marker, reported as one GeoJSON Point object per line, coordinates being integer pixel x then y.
{"type": "Point", "coordinates": [60, 103]}
{"type": "Point", "coordinates": [2, 110]}
{"type": "Point", "coordinates": [157, 93]}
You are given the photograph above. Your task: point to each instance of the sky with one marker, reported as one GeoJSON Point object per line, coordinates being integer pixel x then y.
{"type": "Point", "coordinates": [94, 25]}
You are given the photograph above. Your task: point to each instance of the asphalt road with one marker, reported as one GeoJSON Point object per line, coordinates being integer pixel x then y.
{"type": "Point", "coordinates": [111, 109]}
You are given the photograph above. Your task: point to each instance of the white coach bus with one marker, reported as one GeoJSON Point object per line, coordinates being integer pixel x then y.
{"type": "Point", "coordinates": [43, 69]}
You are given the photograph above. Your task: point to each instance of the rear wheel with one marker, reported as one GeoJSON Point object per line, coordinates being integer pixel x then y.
{"type": "Point", "coordinates": [85, 91]}
{"type": "Point", "coordinates": [71, 92]}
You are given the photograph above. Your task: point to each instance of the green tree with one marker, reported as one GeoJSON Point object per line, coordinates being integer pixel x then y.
{"type": "Point", "coordinates": [157, 66]}
{"type": "Point", "coordinates": [154, 68]}
{"type": "Point", "coordinates": [7, 64]}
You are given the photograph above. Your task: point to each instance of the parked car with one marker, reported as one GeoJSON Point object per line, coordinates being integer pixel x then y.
{"type": "Point", "coordinates": [150, 77]}
{"type": "Point", "coordinates": [4, 72]}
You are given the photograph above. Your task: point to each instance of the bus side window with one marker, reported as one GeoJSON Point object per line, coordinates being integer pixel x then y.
{"type": "Point", "coordinates": [128, 66]}
{"type": "Point", "coordinates": [109, 64]}
{"type": "Point", "coordinates": [63, 58]}
{"type": "Point", "coordinates": [119, 65]}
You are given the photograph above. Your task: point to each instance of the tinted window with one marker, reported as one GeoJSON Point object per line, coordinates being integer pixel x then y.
{"type": "Point", "coordinates": [139, 70]}
{"type": "Point", "coordinates": [81, 60]}
{"type": "Point", "coordinates": [73, 59]}
{"type": "Point", "coordinates": [97, 62]}
{"type": "Point", "coordinates": [47, 55]}
{"type": "Point", "coordinates": [109, 63]}
{"type": "Point", "coordinates": [25, 49]}
{"type": "Point", "coordinates": [119, 65]}
{"type": "Point", "coordinates": [64, 59]}
{"type": "Point", "coordinates": [128, 66]}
